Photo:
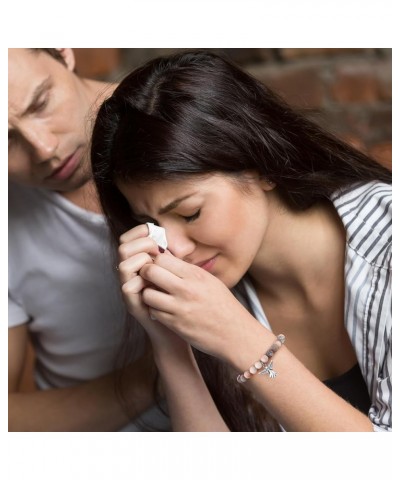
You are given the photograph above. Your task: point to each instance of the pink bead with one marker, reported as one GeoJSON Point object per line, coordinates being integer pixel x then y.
{"type": "Point", "coordinates": [264, 361]}
{"type": "Point", "coordinates": [281, 338]}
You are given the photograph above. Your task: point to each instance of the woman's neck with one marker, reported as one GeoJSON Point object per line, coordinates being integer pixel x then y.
{"type": "Point", "coordinates": [302, 253]}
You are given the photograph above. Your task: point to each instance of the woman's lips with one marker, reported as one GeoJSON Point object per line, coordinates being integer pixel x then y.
{"type": "Point", "coordinates": [68, 167]}
{"type": "Point", "coordinates": [208, 264]}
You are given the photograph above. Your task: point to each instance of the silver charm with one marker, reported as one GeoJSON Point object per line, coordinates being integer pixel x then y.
{"type": "Point", "coordinates": [268, 369]}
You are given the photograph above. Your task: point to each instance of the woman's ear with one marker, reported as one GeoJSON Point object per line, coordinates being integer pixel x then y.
{"type": "Point", "coordinates": [262, 181]}
{"type": "Point", "coordinates": [68, 57]}
{"type": "Point", "coordinates": [266, 184]}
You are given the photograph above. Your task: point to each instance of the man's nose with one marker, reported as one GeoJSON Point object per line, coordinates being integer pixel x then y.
{"type": "Point", "coordinates": [42, 141]}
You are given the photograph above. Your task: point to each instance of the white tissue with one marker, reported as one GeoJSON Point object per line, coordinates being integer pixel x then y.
{"type": "Point", "coordinates": [158, 235]}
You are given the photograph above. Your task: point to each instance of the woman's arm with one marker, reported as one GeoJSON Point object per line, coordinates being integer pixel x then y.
{"type": "Point", "coordinates": [200, 309]}
{"type": "Point", "coordinates": [295, 397]}
{"type": "Point", "coordinates": [190, 405]}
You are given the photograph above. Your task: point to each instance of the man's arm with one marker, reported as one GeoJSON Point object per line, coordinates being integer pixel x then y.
{"type": "Point", "coordinates": [27, 381]}
{"type": "Point", "coordinates": [91, 406]}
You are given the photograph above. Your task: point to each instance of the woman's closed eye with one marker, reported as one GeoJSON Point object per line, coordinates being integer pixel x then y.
{"type": "Point", "coordinates": [192, 218]}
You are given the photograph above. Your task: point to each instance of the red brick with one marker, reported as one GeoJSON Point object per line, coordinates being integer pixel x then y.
{"type": "Point", "coordinates": [300, 85]}
{"type": "Point", "coordinates": [296, 53]}
{"type": "Point", "coordinates": [357, 82]}
{"type": "Point", "coordinates": [372, 125]}
{"type": "Point", "coordinates": [382, 152]}
{"type": "Point", "coordinates": [268, 54]}
{"type": "Point", "coordinates": [97, 62]}
{"type": "Point", "coordinates": [243, 56]}
{"type": "Point", "coordinates": [380, 122]}
{"type": "Point", "coordinates": [355, 142]}
{"type": "Point", "coordinates": [384, 69]}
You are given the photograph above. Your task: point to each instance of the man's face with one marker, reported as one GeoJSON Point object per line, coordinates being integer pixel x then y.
{"type": "Point", "coordinates": [47, 121]}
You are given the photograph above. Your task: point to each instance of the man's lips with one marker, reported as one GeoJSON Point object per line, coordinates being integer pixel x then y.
{"type": "Point", "coordinates": [67, 168]}
{"type": "Point", "coordinates": [207, 264]}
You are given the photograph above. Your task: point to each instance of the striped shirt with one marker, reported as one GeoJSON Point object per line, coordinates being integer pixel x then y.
{"type": "Point", "coordinates": [366, 213]}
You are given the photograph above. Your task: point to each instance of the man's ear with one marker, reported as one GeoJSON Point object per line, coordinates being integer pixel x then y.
{"type": "Point", "coordinates": [68, 57]}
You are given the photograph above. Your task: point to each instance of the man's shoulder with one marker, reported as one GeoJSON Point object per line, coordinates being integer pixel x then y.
{"type": "Point", "coordinates": [21, 196]}
{"type": "Point", "coordinates": [36, 215]}
{"type": "Point", "coordinates": [22, 201]}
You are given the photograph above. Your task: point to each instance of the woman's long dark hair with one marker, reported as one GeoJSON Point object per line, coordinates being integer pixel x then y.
{"type": "Point", "coordinates": [197, 113]}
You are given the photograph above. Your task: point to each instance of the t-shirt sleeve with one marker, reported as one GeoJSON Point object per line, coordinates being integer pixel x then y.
{"type": "Point", "coordinates": [16, 314]}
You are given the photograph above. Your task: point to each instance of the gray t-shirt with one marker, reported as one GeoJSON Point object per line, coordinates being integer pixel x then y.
{"type": "Point", "coordinates": [63, 284]}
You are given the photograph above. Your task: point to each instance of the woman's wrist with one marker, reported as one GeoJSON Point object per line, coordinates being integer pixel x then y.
{"type": "Point", "coordinates": [165, 354]}
{"type": "Point", "coordinates": [249, 347]}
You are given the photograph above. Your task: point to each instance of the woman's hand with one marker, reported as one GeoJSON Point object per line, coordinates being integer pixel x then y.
{"type": "Point", "coordinates": [194, 304]}
{"type": "Point", "coordinates": [136, 250]}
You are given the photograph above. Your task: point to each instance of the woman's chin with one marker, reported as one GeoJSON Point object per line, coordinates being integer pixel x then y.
{"type": "Point", "coordinates": [230, 281]}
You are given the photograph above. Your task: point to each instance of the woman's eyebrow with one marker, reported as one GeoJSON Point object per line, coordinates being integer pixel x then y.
{"type": "Point", "coordinates": [173, 204]}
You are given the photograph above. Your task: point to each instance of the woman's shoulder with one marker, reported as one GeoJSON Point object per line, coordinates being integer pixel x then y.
{"type": "Point", "coordinates": [366, 212]}
{"type": "Point", "coordinates": [362, 196]}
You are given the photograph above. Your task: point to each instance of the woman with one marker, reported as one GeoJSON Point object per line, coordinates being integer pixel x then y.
{"type": "Point", "coordinates": [257, 199]}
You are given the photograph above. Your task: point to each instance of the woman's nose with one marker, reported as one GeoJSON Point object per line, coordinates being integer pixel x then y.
{"type": "Point", "coordinates": [179, 243]}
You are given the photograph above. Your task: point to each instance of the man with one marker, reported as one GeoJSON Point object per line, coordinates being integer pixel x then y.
{"type": "Point", "coordinates": [63, 292]}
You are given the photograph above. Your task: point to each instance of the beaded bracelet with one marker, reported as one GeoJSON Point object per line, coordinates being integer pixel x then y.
{"type": "Point", "coordinates": [263, 362]}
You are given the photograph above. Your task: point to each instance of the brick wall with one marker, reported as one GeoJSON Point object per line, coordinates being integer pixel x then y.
{"type": "Point", "coordinates": [347, 91]}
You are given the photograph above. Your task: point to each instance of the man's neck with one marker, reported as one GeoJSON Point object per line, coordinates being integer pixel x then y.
{"type": "Point", "coordinates": [85, 197]}
{"type": "Point", "coordinates": [97, 92]}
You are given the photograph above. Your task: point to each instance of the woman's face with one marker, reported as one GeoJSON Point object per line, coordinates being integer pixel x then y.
{"type": "Point", "coordinates": [210, 221]}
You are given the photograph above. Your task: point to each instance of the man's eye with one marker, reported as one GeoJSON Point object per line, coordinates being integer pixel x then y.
{"type": "Point", "coordinates": [192, 218]}
{"type": "Point", "coordinates": [41, 105]}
